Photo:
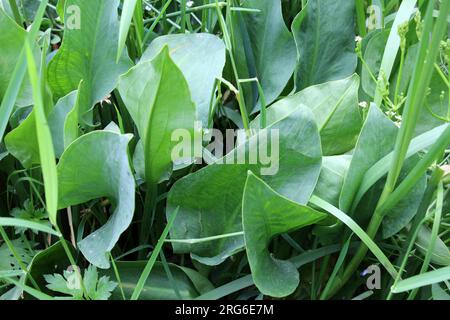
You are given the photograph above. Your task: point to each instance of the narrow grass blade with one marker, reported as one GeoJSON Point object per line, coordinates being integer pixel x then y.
{"type": "Point", "coordinates": [349, 222]}
{"type": "Point", "coordinates": [378, 170]}
{"type": "Point", "coordinates": [423, 71]}
{"type": "Point", "coordinates": [15, 11]}
{"type": "Point", "coordinates": [434, 233]}
{"type": "Point", "coordinates": [35, 293]}
{"type": "Point", "coordinates": [9, 99]}
{"type": "Point", "coordinates": [410, 181]}
{"type": "Point", "coordinates": [10, 273]}
{"type": "Point", "coordinates": [393, 44]}
{"type": "Point", "coordinates": [148, 268]}
{"type": "Point", "coordinates": [125, 22]}
{"type": "Point", "coordinates": [422, 280]}
{"type": "Point", "coordinates": [21, 223]}
{"type": "Point", "coordinates": [247, 281]}
{"type": "Point", "coordinates": [336, 269]}
{"type": "Point", "coordinates": [46, 151]}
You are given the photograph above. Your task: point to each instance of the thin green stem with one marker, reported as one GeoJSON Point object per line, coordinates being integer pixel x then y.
{"type": "Point", "coordinates": [228, 43]}
{"type": "Point", "coordinates": [416, 95]}
{"type": "Point", "coordinates": [434, 235]}
{"type": "Point", "coordinates": [116, 273]}
{"type": "Point", "coordinates": [399, 78]}
{"type": "Point", "coordinates": [361, 17]}
{"type": "Point", "coordinates": [16, 12]}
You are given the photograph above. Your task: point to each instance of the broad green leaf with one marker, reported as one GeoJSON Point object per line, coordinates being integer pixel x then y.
{"type": "Point", "coordinates": [266, 214]}
{"type": "Point", "coordinates": [404, 211]}
{"type": "Point", "coordinates": [50, 260]}
{"type": "Point", "coordinates": [8, 262]}
{"type": "Point", "coordinates": [331, 179]}
{"type": "Point", "coordinates": [264, 49]}
{"type": "Point", "coordinates": [437, 103]}
{"type": "Point", "coordinates": [210, 199]}
{"type": "Point", "coordinates": [22, 141]}
{"type": "Point", "coordinates": [60, 122]}
{"type": "Point", "coordinates": [403, 15]}
{"type": "Point", "coordinates": [201, 58]}
{"type": "Point", "coordinates": [335, 107]}
{"type": "Point", "coordinates": [102, 157]}
{"type": "Point", "coordinates": [372, 56]}
{"type": "Point", "coordinates": [381, 168]}
{"type": "Point", "coordinates": [158, 99]}
{"type": "Point", "coordinates": [328, 188]}
{"type": "Point", "coordinates": [376, 140]}
{"type": "Point", "coordinates": [12, 39]}
{"type": "Point", "coordinates": [158, 286]}
{"type": "Point", "coordinates": [9, 99]}
{"type": "Point", "coordinates": [439, 293]}
{"type": "Point", "coordinates": [88, 52]}
{"type": "Point", "coordinates": [325, 52]}
{"type": "Point", "coordinates": [60, 8]}
{"type": "Point", "coordinates": [125, 23]}
{"type": "Point", "coordinates": [440, 254]}
{"type": "Point", "coordinates": [27, 8]}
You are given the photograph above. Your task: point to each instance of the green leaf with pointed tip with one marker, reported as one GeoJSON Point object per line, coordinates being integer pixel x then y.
{"type": "Point", "coordinates": [376, 140]}
{"type": "Point", "coordinates": [373, 55]}
{"type": "Point", "coordinates": [125, 23]}
{"type": "Point", "coordinates": [157, 97]}
{"type": "Point", "coordinates": [201, 58]}
{"type": "Point", "coordinates": [60, 6]}
{"type": "Point", "coordinates": [440, 254]}
{"type": "Point", "coordinates": [264, 48]}
{"type": "Point", "coordinates": [335, 107]}
{"type": "Point", "coordinates": [12, 39]}
{"type": "Point", "coordinates": [439, 293]}
{"type": "Point", "coordinates": [402, 213]}
{"type": "Point", "coordinates": [50, 260]}
{"type": "Point", "coordinates": [88, 52]}
{"type": "Point", "coordinates": [331, 179]}
{"type": "Point", "coordinates": [325, 52]}
{"type": "Point", "coordinates": [59, 121]}
{"type": "Point", "coordinates": [266, 214]}
{"type": "Point", "coordinates": [210, 199]}
{"type": "Point", "coordinates": [189, 283]}
{"type": "Point", "coordinates": [102, 157]}
{"type": "Point", "coordinates": [22, 141]}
